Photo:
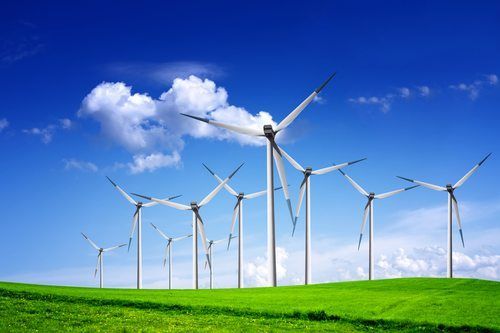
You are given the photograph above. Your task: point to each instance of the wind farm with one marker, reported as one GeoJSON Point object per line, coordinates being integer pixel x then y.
{"type": "Point", "coordinates": [250, 166]}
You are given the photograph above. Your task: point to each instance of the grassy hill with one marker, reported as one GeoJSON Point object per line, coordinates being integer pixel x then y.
{"type": "Point", "coordinates": [417, 304]}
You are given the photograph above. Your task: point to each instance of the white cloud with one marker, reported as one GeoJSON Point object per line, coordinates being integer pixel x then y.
{"type": "Point", "coordinates": [424, 91]}
{"type": "Point", "coordinates": [46, 133]}
{"type": "Point", "coordinates": [153, 161]}
{"type": "Point", "coordinates": [475, 87]}
{"type": "Point", "coordinates": [152, 129]}
{"type": "Point", "coordinates": [3, 124]}
{"type": "Point", "coordinates": [404, 92]}
{"type": "Point", "coordinates": [383, 102]}
{"type": "Point", "coordinates": [257, 271]}
{"type": "Point", "coordinates": [74, 164]}
{"type": "Point", "coordinates": [318, 99]}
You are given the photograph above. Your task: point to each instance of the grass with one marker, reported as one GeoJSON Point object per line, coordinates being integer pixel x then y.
{"type": "Point", "coordinates": [411, 305]}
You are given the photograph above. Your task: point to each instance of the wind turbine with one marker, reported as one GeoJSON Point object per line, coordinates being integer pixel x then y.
{"type": "Point", "coordinates": [100, 255]}
{"type": "Point", "coordinates": [137, 220]}
{"type": "Point", "coordinates": [369, 211]}
{"type": "Point", "coordinates": [168, 252]}
{"type": "Point", "coordinates": [272, 151]}
{"type": "Point", "coordinates": [305, 186]}
{"type": "Point", "coordinates": [452, 201]}
{"type": "Point", "coordinates": [238, 211]}
{"type": "Point", "coordinates": [211, 244]}
{"type": "Point", "coordinates": [197, 221]}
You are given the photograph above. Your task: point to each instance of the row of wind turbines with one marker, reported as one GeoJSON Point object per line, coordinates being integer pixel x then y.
{"type": "Point", "coordinates": [276, 153]}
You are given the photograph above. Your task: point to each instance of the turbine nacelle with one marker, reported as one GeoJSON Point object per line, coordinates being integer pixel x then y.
{"type": "Point", "coordinates": [194, 205]}
{"type": "Point", "coordinates": [449, 188]}
{"type": "Point", "coordinates": [308, 171]}
{"type": "Point", "coordinates": [371, 195]}
{"type": "Point", "coordinates": [269, 131]}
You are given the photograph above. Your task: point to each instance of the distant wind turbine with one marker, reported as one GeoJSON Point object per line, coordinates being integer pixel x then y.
{"type": "Point", "coordinates": [305, 186]}
{"type": "Point", "coordinates": [100, 255]}
{"type": "Point", "coordinates": [270, 132]}
{"type": "Point", "coordinates": [369, 211]}
{"type": "Point", "coordinates": [238, 211]}
{"type": "Point", "coordinates": [452, 201]}
{"type": "Point", "coordinates": [197, 221]}
{"type": "Point", "coordinates": [137, 220]}
{"type": "Point", "coordinates": [211, 244]}
{"type": "Point", "coordinates": [168, 252]}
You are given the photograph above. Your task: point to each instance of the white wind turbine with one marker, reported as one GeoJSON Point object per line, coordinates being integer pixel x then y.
{"type": "Point", "coordinates": [168, 252]}
{"type": "Point", "coordinates": [197, 221]}
{"type": "Point", "coordinates": [272, 151]}
{"type": "Point", "coordinates": [238, 211]}
{"type": "Point", "coordinates": [211, 244]}
{"type": "Point", "coordinates": [452, 201]}
{"type": "Point", "coordinates": [305, 186]}
{"type": "Point", "coordinates": [137, 220]}
{"type": "Point", "coordinates": [100, 255]}
{"type": "Point", "coordinates": [369, 211]}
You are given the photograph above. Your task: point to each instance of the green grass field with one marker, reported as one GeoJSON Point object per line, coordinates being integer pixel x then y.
{"type": "Point", "coordinates": [410, 305]}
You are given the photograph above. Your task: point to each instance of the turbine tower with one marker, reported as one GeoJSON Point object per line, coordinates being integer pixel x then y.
{"type": "Point", "coordinates": [452, 204]}
{"type": "Point", "coordinates": [100, 255]}
{"type": "Point", "coordinates": [369, 211]}
{"type": "Point", "coordinates": [211, 244]}
{"type": "Point", "coordinates": [305, 186]}
{"type": "Point", "coordinates": [168, 252]}
{"type": "Point", "coordinates": [272, 151]}
{"type": "Point", "coordinates": [197, 220]}
{"type": "Point", "coordinates": [238, 211]}
{"type": "Point", "coordinates": [137, 220]}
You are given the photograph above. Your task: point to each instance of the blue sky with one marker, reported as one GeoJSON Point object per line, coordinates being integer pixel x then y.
{"type": "Point", "coordinates": [89, 91]}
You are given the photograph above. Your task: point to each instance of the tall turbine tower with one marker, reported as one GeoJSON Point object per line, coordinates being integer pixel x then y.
{"type": "Point", "coordinates": [369, 211]}
{"type": "Point", "coordinates": [238, 211]}
{"type": "Point", "coordinates": [168, 252]}
{"type": "Point", "coordinates": [100, 255]}
{"type": "Point", "coordinates": [197, 221]}
{"type": "Point", "coordinates": [305, 186]}
{"type": "Point", "coordinates": [211, 244]}
{"type": "Point", "coordinates": [272, 151]}
{"type": "Point", "coordinates": [452, 203]}
{"type": "Point", "coordinates": [137, 220]}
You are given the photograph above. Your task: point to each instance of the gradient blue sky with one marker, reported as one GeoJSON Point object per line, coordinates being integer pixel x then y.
{"type": "Point", "coordinates": [416, 93]}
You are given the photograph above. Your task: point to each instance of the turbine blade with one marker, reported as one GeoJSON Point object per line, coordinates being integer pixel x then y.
{"type": "Point", "coordinates": [354, 184]}
{"type": "Point", "coordinates": [166, 254]}
{"type": "Point", "coordinates": [428, 185]}
{"type": "Point", "coordinates": [90, 241]}
{"type": "Point", "coordinates": [284, 183]}
{"type": "Point", "coordinates": [125, 194]}
{"type": "Point", "coordinates": [160, 232]}
{"type": "Point", "coordinates": [181, 238]}
{"type": "Point", "coordinates": [114, 247]}
{"type": "Point", "coordinates": [291, 117]}
{"type": "Point", "coordinates": [255, 195]}
{"type": "Point", "coordinates": [97, 266]}
{"type": "Point", "coordinates": [226, 186]}
{"type": "Point", "coordinates": [459, 222]}
{"type": "Point", "coordinates": [334, 167]}
{"type": "Point", "coordinates": [365, 215]}
{"type": "Point", "coordinates": [390, 194]}
{"type": "Point", "coordinates": [203, 236]}
{"type": "Point", "coordinates": [165, 202]}
{"type": "Point", "coordinates": [234, 128]}
{"type": "Point", "coordinates": [468, 174]}
{"type": "Point", "coordinates": [134, 222]}
{"type": "Point", "coordinates": [299, 203]}
{"type": "Point", "coordinates": [233, 218]}
{"type": "Point", "coordinates": [293, 162]}
{"type": "Point", "coordinates": [212, 194]}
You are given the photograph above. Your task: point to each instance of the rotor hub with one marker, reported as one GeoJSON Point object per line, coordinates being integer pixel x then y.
{"type": "Point", "coordinates": [241, 195]}
{"type": "Point", "coordinates": [308, 171]}
{"type": "Point", "coordinates": [139, 204]}
{"type": "Point", "coordinates": [371, 196]}
{"type": "Point", "coordinates": [449, 188]}
{"type": "Point", "coordinates": [269, 131]}
{"type": "Point", "coordinates": [194, 205]}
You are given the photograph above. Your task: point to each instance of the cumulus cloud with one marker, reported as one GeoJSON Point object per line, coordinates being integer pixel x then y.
{"type": "Point", "coordinates": [3, 124]}
{"type": "Point", "coordinates": [46, 133]}
{"type": "Point", "coordinates": [151, 129]}
{"type": "Point", "coordinates": [75, 164]}
{"type": "Point", "coordinates": [473, 89]}
{"type": "Point", "coordinates": [257, 271]}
